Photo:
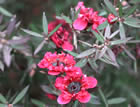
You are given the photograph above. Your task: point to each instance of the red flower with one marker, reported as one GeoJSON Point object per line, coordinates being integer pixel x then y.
{"type": "Point", "coordinates": [63, 36]}
{"type": "Point", "coordinates": [74, 86]}
{"type": "Point", "coordinates": [87, 17]}
{"type": "Point", "coordinates": [56, 62]}
{"type": "Point", "coordinates": [110, 18]}
{"type": "Point", "coordinates": [51, 96]}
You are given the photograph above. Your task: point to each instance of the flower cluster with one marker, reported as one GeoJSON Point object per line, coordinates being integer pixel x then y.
{"type": "Point", "coordinates": [88, 17]}
{"type": "Point", "coordinates": [71, 81]}
{"type": "Point", "coordinates": [63, 36]}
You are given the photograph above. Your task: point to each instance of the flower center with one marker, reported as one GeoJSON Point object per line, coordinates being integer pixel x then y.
{"type": "Point", "coordinates": [74, 87]}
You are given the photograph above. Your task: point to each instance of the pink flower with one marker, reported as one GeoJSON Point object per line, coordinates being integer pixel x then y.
{"type": "Point", "coordinates": [110, 18]}
{"type": "Point", "coordinates": [74, 87]}
{"type": "Point", "coordinates": [87, 17]}
{"type": "Point", "coordinates": [55, 63]}
{"type": "Point", "coordinates": [51, 96]}
{"type": "Point", "coordinates": [63, 36]}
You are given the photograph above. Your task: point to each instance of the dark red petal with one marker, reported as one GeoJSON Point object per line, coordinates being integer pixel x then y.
{"type": "Point", "coordinates": [80, 24]}
{"type": "Point", "coordinates": [83, 96]}
{"type": "Point", "coordinates": [64, 98]}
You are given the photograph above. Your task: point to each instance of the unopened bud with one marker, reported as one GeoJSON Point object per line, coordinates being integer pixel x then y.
{"type": "Point", "coordinates": [124, 3]}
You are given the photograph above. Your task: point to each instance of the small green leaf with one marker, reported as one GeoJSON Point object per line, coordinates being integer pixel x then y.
{"type": "Point", "coordinates": [93, 64]}
{"type": "Point", "coordinates": [47, 89]}
{"type": "Point", "coordinates": [86, 53]}
{"type": "Point", "coordinates": [3, 105]}
{"type": "Point", "coordinates": [116, 100]}
{"type": "Point", "coordinates": [75, 39]}
{"type": "Point", "coordinates": [72, 53]}
{"type": "Point", "coordinates": [120, 9]}
{"type": "Point", "coordinates": [82, 62]}
{"type": "Point", "coordinates": [45, 23]}
{"type": "Point", "coordinates": [54, 30]}
{"type": "Point", "coordinates": [1, 66]}
{"type": "Point", "coordinates": [133, 22]}
{"type": "Point", "coordinates": [116, 42]}
{"type": "Point", "coordinates": [32, 33]}
{"type": "Point", "coordinates": [38, 103]}
{"type": "Point", "coordinates": [2, 99]}
{"type": "Point", "coordinates": [103, 25]}
{"type": "Point", "coordinates": [107, 31]}
{"type": "Point", "coordinates": [122, 31]}
{"type": "Point", "coordinates": [131, 10]}
{"type": "Point", "coordinates": [5, 12]}
{"type": "Point", "coordinates": [98, 36]}
{"type": "Point", "coordinates": [111, 7]}
{"type": "Point", "coordinates": [103, 98]}
{"type": "Point", "coordinates": [114, 34]}
{"type": "Point", "coordinates": [21, 95]}
{"type": "Point", "coordinates": [75, 104]}
{"type": "Point", "coordinates": [94, 100]}
{"type": "Point", "coordinates": [67, 19]}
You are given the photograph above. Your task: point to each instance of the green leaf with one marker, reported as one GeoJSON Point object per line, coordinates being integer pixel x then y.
{"type": "Point", "coordinates": [75, 39]}
{"type": "Point", "coordinates": [72, 53]}
{"type": "Point", "coordinates": [98, 36]}
{"type": "Point", "coordinates": [116, 100]}
{"type": "Point", "coordinates": [107, 31]}
{"type": "Point", "coordinates": [2, 99]}
{"type": "Point", "coordinates": [21, 95]}
{"type": "Point", "coordinates": [67, 19]}
{"type": "Point", "coordinates": [32, 33]}
{"type": "Point", "coordinates": [111, 7]}
{"type": "Point", "coordinates": [135, 66]}
{"type": "Point", "coordinates": [85, 43]}
{"type": "Point", "coordinates": [120, 9]}
{"type": "Point", "coordinates": [103, 98]}
{"type": "Point", "coordinates": [131, 10]}
{"type": "Point", "coordinates": [82, 62]}
{"type": "Point", "coordinates": [94, 100]}
{"type": "Point", "coordinates": [5, 12]}
{"type": "Point", "coordinates": [38, 103]}
{"type": "Point", "coordinates": [103, 25]}
{"type": "Point", "coordinates": [75, 104]}
{"type": "Point", "coordinates": [122, 31]}
{"type": "Point", "coordinates": [114, 34]}
{"type": "Point", "coordinates": [1, 66]}
{"type": "Point", "coordinates": [86, 53]}
{"type": "Point", "coordinates": [45, 24]}
{"type": "Point", "coordinates": [54, 30]}
{"type": "Point", "coordinates": [3, 105]}
{"type": "Point", "coordinates": [133, 22]}
{"type": "Point", "coordinates": [47, 89]}
{"type": "Point", "coordinates": [93, 64]}
{"type": "Point", "coordinates": [118, 42]}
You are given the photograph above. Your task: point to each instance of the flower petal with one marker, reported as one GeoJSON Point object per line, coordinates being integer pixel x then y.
{"type": "Point", "coordinates": [83, 96]}
{"type": "Point", "coordinates": [67, 46]}
{"type": "Point", "coordinates": [80, 23]}
{"type": "Point", "coordinates": [53, 72]}
{"type": "Point", "coordinates": [64, 98]}
{"type": "Point", "coordinates": [60, 83]}
{"type": "Point", "coordinates": [89, 82]}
